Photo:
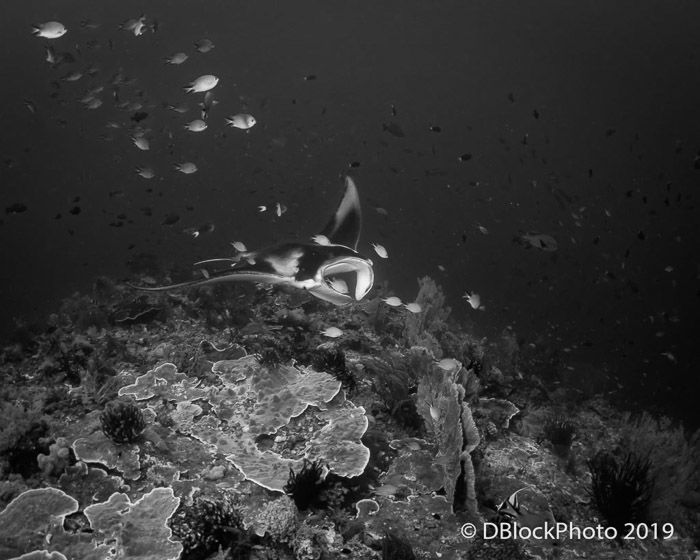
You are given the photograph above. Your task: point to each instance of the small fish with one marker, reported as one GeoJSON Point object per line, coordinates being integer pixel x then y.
{"type": "Point", "coordinates": [241, 120]}
{"type": "Point", "coordinates": [472, 299]}
{"type": "Point", "coordinates": [320, 239]}
{"type": "Point", "coordinates": [332, 332]}
{"type": "Point", "coordinates": [413, 307]}
{"type": "Point", "coordinates": [92, 93]}
{"type": "Point", "coordinates": [511, 506]}
{"type": "Point", "coordinates": [196, 125]}
{"type": "Point", "coordinates": [381, 211]}
{"type": "Point", "coordinates": [204, 46]}
{"type": "Point", "coordinates": [170, 219]}
{"type": "Point", "coordinates": [186, 167]}
{"type": "Point", "coordinates": [540, 241]}
{"type": "Point", "coordinates": [339, 285]}
{"type": "Point", "coordinates": [280, 209]}
{"type": "Point", "coordinates": [449, 364]}
{"type": "Point", "coordinates": [137, 25]}
{"type": "Point", "coordinates": [30, 106]}
{"type": "Point", "coordinates": [202, 84]}
{"type": "Point", "coordinates": [139, 116]}
{"type": "Point", "coordinates": [177, 58]}
{"type": "Point", "coordinates": [50, 55]}
{"type": "Point", "coordinates": [141, 142]}
{"type": "Point", "coordinates": [207, 104]}
{"type": "Point", "coordinates": [197, 231]}
{"type": "Point", "coordinates": [262, 208]}
{"type": "Point", "coordinates": [671, 357]}
{"type": "Point", "coordinates": [49, 30]}
{"type": "Point", "coordinates": [393, 129]}
{"type": "Point", "coordinates": [669, 268]}
{"type": "Point", "coordinates": [180, 108]}
{"type": "Point", "coordinates": [89, 24]}
{"type": "Point", "coordinates": [393, 301]}
{"type": "Point", "coordinates": [482, 229]}
{"type": "Point", "coordinates": [93, 103]}
{"type": "Point", "coordinates": [72, 76]}
{"type": "Point", "coordinates": [380, 250]}
{"type": "Point", "coordinates": [145, 172]}
{"type": "Point", "coordinates": [239, 246]}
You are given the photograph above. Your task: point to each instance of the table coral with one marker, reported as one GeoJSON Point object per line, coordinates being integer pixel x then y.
{"type": "Point", "coordinates": [98, 448]}
{"type": "Point", "coordinates": [166, 382]}
{"type": "Point", "coordinates": [27, 519]}
{"type": "Point", "coordinates": [255, 400]}
{"type": "Point", "coordinates": [140, 527]}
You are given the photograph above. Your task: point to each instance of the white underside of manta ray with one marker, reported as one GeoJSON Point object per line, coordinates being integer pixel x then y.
{"type": "Point", "coordinates": [307, 266]}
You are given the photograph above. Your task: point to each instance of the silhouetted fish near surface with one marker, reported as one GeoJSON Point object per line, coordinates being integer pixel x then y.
{"type": "Point", "coordinates": [393, 129]}
{"type": "Point", "coordinates": [16, 208]}
{"type": "Point", "coordinates": [138, 116]}
{"type": "Point", "coordinates": [170, 219]}
{"type": "Point", "coordinates": [540, 241]}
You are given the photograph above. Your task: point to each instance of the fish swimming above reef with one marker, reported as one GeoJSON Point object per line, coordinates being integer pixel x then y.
{"type": "Point", "coordinates": [540, 241]}
{"type": "Point", "coordinates": [305, 266]}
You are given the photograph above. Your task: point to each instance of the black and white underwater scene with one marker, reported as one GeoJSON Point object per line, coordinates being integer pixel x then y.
{"type": "Point", "coordinates": [326, 280]}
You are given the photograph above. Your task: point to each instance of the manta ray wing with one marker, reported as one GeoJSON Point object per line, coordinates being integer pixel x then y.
{"type": "Point", "coordinates": [231, 276]}
{"type": "Point", "coordinates": [305, 266]}
{"type": "Point", "coordinates": [345, 225]}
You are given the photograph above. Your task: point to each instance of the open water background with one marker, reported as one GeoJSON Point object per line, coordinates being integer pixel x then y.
{"type": "Point", "coordinates": [581, 118]}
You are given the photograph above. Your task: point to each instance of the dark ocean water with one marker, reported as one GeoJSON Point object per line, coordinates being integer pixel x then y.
{"type": "Point", "coordinates": [579, 120]}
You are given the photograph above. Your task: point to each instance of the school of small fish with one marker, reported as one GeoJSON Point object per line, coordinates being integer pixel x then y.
{"type": "Point", "coordinates": [127, 94]}
{"type": "Point", "coordinates": [118, 92]}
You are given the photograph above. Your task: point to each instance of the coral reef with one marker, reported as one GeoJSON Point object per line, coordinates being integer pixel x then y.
{"type": "Point", "coordinates": [220, 423]}
{"type": "Point", "coordinates": [560, 432]}
{"type": "Point", "coordinates": [396, 548]}
{"type": "Point", "coordinates": [305, 487]}
{"type": "Point", "coordinates": [206, 525]}
{"type": "Point", "coordinates": [122, 421]}
{"type": "Point", "coordinates": [58, 459]}
{"type": "Point", "coordinates": [622, 488]}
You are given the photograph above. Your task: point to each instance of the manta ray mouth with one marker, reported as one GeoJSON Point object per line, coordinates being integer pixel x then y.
{"type": "Point", "coordinates": [347, 276]}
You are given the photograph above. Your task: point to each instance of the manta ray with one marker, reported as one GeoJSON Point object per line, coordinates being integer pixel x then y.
{"type": "Point", "coordinates": [334, 272]}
